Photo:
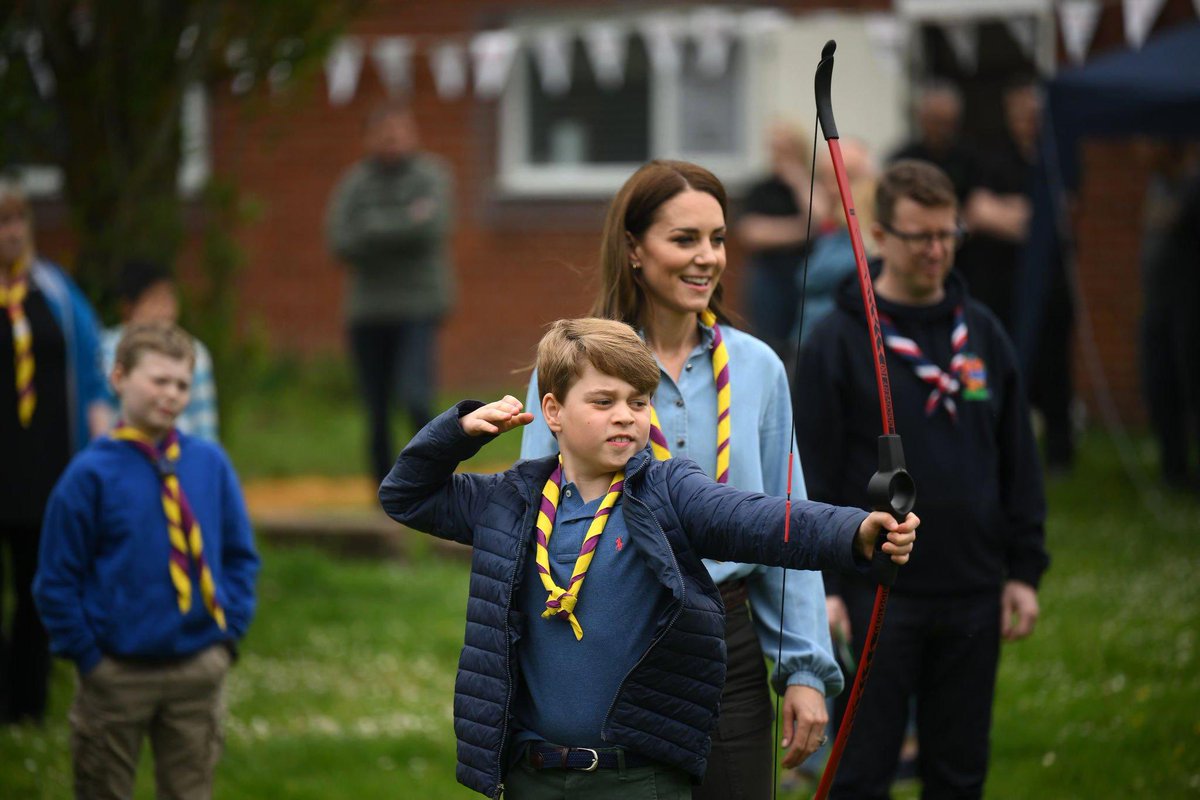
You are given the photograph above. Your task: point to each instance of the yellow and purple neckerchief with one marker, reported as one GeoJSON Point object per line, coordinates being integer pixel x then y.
{"type": "Point", "coordinates": [13, 290]}
{"type": "Point", "coordinates": [561, 602]}
{"type": "Point", "coordinates": [720, 359]}
{"type": "Point", "coordinates": [183, 529]}
{"type": "Point", "coordinates": [945, 384]}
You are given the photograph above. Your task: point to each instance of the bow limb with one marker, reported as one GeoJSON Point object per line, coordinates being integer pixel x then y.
{"type": "Point", "coordinates": [891, 489]}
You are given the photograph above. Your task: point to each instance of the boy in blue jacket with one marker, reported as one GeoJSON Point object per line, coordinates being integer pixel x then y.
{"type": "Point", "coordinates": [604, 689]}
{"type": "Point", "coordinates": [146, 581]}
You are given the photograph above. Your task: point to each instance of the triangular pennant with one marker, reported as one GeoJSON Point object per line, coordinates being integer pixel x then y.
{"type": "Point", "coordinates": [663, 37]}
{"type": "Point", "coordinates": [1078, 19]}
{"type": "Point", "coordinates": [1023, 31]}
{"type": "Point", "coordinates": [392, 57]}
{"type": "Point", "coordinates": [343, 64]}
{"type": "Point", "coordinates": [963, 38]}
{"type": "Point", "coordinates": [605, 44]}
{"type": "Point", "coordinates": [1139, 19]}
{"type": "Point", "coordinates": [552, 51]}
{"type": "Point", "coordinates": [448, 63]}
{"type": "Point", "coordinates": [712, 30]}
{"type": "Point", "coordinates": [493, 54]}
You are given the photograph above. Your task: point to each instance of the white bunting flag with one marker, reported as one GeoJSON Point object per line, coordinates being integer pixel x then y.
{"type": "Point", "coordinates": [448, 63]}
{"type": "Point", "coordinates": [343, 64]}
{"type": "Point", "coordinates": [963, 38]}
{"type": "Point", "coordinates": [392, 57]}
{"type": "Point", "coordinates": [663, 37]}
{"type": "Point", "coordinates": [493, 54]}
{"type": "Point", "coordinates": [712, 30]}
{"type": "Point", "coordinates": [605, 45]}
{"type": "Point", "coordinates": [552, 52]}
{"type": "Point", "coordinates": [1078, 19]}
{"type": "Point", "coordinates": [1140, 16]}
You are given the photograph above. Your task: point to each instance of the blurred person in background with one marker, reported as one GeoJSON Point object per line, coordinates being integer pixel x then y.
{"type": "Point", "coordinates": [388, 221]}
{"type": "Point", "coordinates": [1170, 325]}
{"type": "Point", "coordinates": [773, 229]}
{"type": "Point", "coordinates": [997, 214]}
{"type": "Point", "coordinates": [832, 256]}
{"type": "Point", "coordinates": [51, 404]}
{"type": "Point", "coordinates": [937, 114]}
{"type": "Point", "coordinates": [147, 292]}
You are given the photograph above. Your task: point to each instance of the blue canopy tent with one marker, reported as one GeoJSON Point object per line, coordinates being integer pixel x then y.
{"type": "Point", "coordinates": [1154, 91]}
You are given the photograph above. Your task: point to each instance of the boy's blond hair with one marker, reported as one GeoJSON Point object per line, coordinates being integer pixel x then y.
{"type": "Point", "coordinates": [165, 338]}
{"type": "Point", "coordinates": [611, 347]}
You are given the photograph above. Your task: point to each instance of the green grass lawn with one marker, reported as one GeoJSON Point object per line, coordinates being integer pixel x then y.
{"type": "Point", "coordinates": [345, 684]}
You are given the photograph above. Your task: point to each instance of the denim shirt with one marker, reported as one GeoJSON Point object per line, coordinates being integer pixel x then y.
{"type": "Point", "coordinates": [761, 432]}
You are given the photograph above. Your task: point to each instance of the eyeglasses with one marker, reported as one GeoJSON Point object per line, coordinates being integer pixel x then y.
{"type": "Point", "coordinates": [923, 241]}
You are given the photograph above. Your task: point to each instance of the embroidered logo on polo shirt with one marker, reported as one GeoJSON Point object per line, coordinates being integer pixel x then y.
{"type": "Point", "coordinates": [620, 544]}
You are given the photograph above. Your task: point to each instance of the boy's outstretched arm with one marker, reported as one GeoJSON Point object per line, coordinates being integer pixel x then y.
{"type": "Point", "coordinates": [899, 535]}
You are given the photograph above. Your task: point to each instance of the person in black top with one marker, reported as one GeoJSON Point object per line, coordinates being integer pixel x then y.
{"type": "Point", "coordinates": [1170, 326]}
{"type": "Point", "coordinates": [938, 111]}
{"type": "Point", "coordinates": [970, 448]}
{"type": "Point", "coordinates": [50, 403]}
{"type": "Point", "coordinates": [773, 230]}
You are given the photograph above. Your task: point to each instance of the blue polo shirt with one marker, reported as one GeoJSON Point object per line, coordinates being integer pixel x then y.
{"type": "Point", "coordinates": [566, 684]}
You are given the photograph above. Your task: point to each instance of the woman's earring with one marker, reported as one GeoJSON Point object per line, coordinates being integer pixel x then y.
{"type": "Point", "coordinates": [635, 265]}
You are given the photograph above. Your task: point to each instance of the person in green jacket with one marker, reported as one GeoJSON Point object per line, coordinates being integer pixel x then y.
{"type": "Point", "coordinates": [388, 221]}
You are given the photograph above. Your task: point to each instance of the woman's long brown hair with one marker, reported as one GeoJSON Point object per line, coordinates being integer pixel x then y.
{"type": "Point", "coordinates": [631, 213]}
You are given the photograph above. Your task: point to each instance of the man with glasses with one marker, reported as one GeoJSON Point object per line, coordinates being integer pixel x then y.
{"type": "Point", "coordinates": [969, 445]}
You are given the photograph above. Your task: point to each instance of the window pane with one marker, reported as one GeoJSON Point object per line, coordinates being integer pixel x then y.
{"type": "Point", "coordinates": [711, 116]}
{"type": "Point", "coordinates": [589, 124]}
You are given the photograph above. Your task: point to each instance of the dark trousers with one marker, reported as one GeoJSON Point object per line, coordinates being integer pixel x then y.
{"type": "Point", "coordinates": [944, 651]}
{"type": "Point", "coordinates": [24, 646]}
{"type": "Point", "coordinates": [1170, 350]}
{"type": "Point", "coordinates": [393, 358]}
{"type": "Point", "coordinates": [739, 765]}
{"type": "Point", "coordinates": [1050, 384]}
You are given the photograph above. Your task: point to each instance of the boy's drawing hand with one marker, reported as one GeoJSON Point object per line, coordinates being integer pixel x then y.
{"type": "Point", "coordinates": [498, 417]}
{"type": "Point", "coordinates": [900, 535]}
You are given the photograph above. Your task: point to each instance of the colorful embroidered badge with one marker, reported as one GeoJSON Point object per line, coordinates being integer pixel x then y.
{"type": "Point", "coordinates": [972, 374]}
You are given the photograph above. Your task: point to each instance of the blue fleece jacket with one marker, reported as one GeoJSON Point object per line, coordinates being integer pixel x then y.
{"type": "Point", "coordinates": [102, 585]}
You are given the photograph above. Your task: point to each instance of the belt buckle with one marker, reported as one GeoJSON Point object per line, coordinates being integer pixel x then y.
{"type": "Point", "coordinates": [595, 759]}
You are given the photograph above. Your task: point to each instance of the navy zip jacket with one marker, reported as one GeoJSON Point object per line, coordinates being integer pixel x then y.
{"type": "Point", "coordinates": [979, 481]}
{"type": "Point", "coordinates": [676, 515]}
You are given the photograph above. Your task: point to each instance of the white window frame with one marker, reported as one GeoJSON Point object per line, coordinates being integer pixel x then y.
{"type": "Point", "coordinates": [517, 178]}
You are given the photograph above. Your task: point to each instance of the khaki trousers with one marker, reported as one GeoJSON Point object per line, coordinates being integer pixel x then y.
{"type": "Point", "coordinates": [178, 706]}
